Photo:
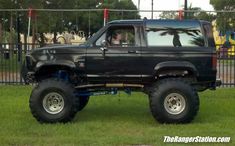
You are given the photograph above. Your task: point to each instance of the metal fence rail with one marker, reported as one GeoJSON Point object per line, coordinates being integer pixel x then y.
{"type": "Point", "coordinates": [226, 65]}
{"type": "Point", "coordinates": [11, 61]}
{"type": "Point", "coordinates": [10, 64]}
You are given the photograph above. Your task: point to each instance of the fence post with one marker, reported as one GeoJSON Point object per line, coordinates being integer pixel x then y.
{"type": "Point", "coordinates": [89, 31]}
{"type": "Point", "coordinates": [18, 38]}
{"type": "Point", "coordinates": [106, 15]}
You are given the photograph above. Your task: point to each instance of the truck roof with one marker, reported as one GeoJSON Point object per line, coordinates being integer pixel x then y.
{"type": "Point", "coordinates": [153, 21]}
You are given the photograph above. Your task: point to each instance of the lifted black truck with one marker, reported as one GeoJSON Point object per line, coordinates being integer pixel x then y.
{"type": "Point", "coordinates": [170, 60]}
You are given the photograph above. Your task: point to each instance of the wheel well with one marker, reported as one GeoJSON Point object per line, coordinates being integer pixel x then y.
{"type": "Point", "coordinates": [186, 74]}
{"type": "Point", "coordinates": [175, 72]}
{"type": "Point", "coordinates": [50, 70]}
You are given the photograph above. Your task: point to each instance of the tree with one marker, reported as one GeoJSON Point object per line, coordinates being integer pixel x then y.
{"type": "Point", "coordinates": [195, 13]}
{"type": "Point", "coordinates": [225, 21]}
{"type": "Point", "coordinates": [198, 13]}
{"type": "Point", "coordinates": [58, 21]}
{"type": "Point", "coordinates": [8, 19]}
{"type": "Point", "coordinates": [206, 16]}
{"type": "Point", "coordinates": [169, 15]}
{"type": "Point", "coordinates": [96, 18]}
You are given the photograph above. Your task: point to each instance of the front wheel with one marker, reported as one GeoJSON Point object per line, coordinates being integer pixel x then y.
{"type": "Point", "coordinates": [53, 100]}
{"type": "Point", "coordinates": [173, 101]}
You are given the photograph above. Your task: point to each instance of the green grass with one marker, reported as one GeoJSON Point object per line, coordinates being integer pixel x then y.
{"type": "Point", "coordinates": [112, 120]}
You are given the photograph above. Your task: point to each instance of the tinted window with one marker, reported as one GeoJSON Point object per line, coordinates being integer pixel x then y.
{"type": "Point", "coordinates": [174, 33]}
{"type": "Point", "coordinates": [209, 34]}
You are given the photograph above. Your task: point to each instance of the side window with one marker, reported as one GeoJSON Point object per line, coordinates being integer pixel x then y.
{"type": "Point", "coordinates": [123, 36]}
{"type": "Point", "coordinates": [209, 34]}
{"type": "Point", "coordinates": [174, 37]}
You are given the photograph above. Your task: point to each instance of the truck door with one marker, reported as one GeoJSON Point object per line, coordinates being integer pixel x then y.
{"type": "Point", "coordinates": [115, 55]}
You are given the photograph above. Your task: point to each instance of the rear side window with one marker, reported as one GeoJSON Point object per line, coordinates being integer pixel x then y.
{"type": "Point", "coordinates": [209, 34]}
{"type": "Point", "coordinates": [175, 37]}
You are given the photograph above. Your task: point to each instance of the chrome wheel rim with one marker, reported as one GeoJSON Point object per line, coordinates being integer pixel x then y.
{"type": "Point", "coordinates": [53, 103]}
{"type": "Point", "coordinates": [174, 103]}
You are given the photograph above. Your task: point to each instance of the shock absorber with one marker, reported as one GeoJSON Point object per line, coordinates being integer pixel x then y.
{"type": "Point", "coordinates": [61, 74]}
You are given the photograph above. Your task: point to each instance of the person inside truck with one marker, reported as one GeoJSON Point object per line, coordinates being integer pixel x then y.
{"type": "Point", "coordinates": [116, 39]}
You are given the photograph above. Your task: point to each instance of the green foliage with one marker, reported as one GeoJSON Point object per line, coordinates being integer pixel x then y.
{"type": "Point", "coordinates": [225, 21]}
{"type": "Point", "coordinates": [96, 18]}
{"type": "Point", "coordinates": [169, 15]}
{"type": "Point", "coordinates": [196, 13]}
{"type": "Point", "coordinates": [7, 37]}
{"type": "Point", "coordinates": [206, 16]}
{"type": "Point", "coordinates": [199, 14]}
{"type": "Point", "coordinates": [223, 4]}
{"type": "Point", "coordinates": [61, 21]}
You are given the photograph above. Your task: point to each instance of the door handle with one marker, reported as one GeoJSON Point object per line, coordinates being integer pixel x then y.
{"type": "Point", "coordinates": [133, 51]}
{"type": "Point", "coordinates": [103, 49]}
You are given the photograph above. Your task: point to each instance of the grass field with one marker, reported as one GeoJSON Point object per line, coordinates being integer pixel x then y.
{"type": "Point", "coordinates": [112, 120]}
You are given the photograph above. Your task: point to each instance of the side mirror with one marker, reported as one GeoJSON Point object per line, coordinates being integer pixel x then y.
{"type": "Point", "coordinates": [104, 43]}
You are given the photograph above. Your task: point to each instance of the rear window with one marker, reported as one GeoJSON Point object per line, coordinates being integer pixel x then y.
{"type": "Point", "coordinates": [174, 35]}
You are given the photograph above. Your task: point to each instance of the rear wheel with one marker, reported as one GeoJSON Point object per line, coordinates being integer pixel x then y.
{"type": "Point", "coordinates": [53, 100]}
{"type": "Point", "coordinates": [173, 101]}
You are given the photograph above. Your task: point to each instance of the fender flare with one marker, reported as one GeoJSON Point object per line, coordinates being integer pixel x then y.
{"type": "Point", "coordinates": [175, 65]}
{"type": "Point", "coordinates": [66, 63]}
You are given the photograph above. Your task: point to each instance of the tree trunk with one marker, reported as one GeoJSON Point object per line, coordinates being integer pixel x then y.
{"type": "Point", "coordinates": [11, 46]}
{"type": "Point", "coordinates": [42, 42]}
{"type": "Point", "coordinates": [25, 43]}
{"type": "Point", "coordinates": [0, 31]}
{"type": "Point", "coordinates": [0, 34]}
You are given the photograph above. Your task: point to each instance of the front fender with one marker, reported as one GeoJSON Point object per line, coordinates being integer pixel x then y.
{"type": "Point", "coordinates": [66, 63]}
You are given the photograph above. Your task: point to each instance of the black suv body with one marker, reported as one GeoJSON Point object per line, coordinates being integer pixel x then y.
{"type": "Point", "coordinates": [149, 55]}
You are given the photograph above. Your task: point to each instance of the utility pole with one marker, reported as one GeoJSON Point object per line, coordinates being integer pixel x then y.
{"type": "Point", "coordinates": [152, 9]}
{"type": "Point", "coordinates": [185, 8]}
